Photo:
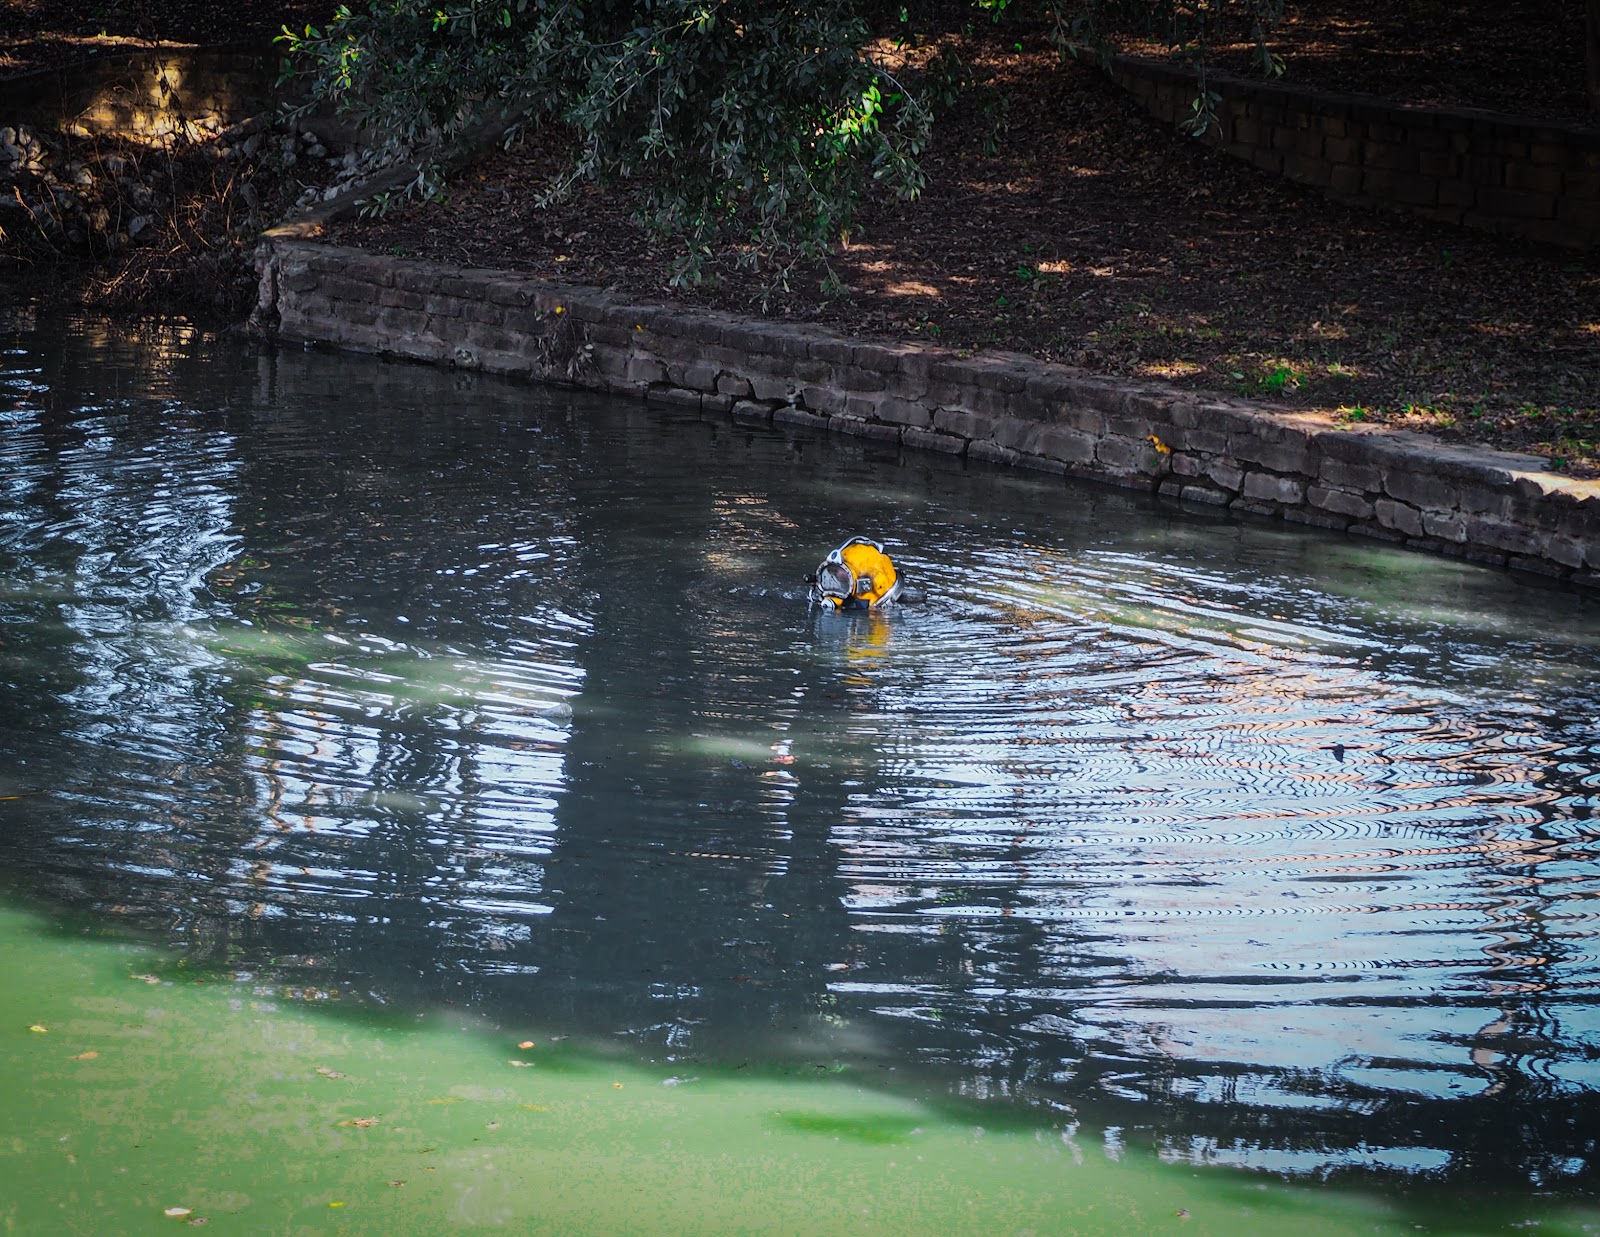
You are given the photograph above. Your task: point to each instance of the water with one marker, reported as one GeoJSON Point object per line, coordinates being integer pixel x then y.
{"type": "Point", "coordinates": [137, 1098]}
{"type": "Point", "coordinates": [412, 692]}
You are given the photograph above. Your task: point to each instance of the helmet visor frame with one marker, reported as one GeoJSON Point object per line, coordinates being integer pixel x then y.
{"type": "Point", "coordinates": [835, 580]}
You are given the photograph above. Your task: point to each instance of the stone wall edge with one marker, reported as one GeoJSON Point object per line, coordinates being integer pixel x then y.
{"type": "Point", "coordinates": [1184, 446]}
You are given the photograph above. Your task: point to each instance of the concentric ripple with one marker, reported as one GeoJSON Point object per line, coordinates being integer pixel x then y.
{"type": "Point", "coordinates": [418, 687]}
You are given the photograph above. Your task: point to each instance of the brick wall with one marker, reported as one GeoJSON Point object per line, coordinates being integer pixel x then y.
{"type": "Point", "coordinates": [1003, 409]}
{"type": "Point", "coordinates": [1535, 179]}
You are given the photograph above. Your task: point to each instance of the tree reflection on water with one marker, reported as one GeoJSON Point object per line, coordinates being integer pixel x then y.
{"type": "Point", "coordinates": [422, 689]}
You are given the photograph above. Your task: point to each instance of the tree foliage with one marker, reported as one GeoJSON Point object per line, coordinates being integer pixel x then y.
{"type": "Point", "coordinates": [1190, 28]}
{"type": "Point", "coordinates": [754, 124]}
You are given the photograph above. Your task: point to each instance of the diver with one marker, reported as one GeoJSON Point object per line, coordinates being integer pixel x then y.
{"type": "Point", "coordinates": [856, 576]}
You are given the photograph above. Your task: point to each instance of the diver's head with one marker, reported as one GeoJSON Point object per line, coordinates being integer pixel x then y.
{"type": "Point", "coordinates": [856, 575]}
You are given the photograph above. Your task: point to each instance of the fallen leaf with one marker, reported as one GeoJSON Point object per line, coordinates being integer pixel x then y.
{"type": "Point", "coordinates": [534, 1107]}
{"type": "Point", "coordinates": [336, 1204]}
{"type": "Point", "coordinates": [617, 1085]}
{"type": "Point", "coordinates": [328, 1073]}
{"type": "Point", "coordinates": [39, 1030]}
{"type": "Point", "coordinates": [449, 1099]}
{"type": "Point", "coordinates": [525, 1044]}
{"type": "Point", "coordinates": [86, 1056]}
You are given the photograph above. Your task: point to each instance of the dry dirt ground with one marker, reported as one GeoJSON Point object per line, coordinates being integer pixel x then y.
{"type": "Point", "coordinates": [1059, 221]}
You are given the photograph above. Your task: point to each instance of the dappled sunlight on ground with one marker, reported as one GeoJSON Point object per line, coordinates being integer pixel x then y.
{"type": "Point", "coordinates": [1059, 221]}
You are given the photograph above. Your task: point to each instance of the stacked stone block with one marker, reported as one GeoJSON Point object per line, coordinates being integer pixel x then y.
{"type": "Point", "coordinates": [994, 408]}
{"type": "Point", "coordinates": [146, 94]}
{"type": "Point", "coordinates": [1529, 178]}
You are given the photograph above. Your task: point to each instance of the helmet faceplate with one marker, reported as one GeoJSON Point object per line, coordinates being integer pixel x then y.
{"type": "Point", "coordinates": [857, 575]}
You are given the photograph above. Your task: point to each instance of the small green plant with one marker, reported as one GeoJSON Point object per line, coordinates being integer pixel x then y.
{"type": "Point", "coordinates": [1271, 380]}
{"type": "Point", "coordinates": [1278, 379]}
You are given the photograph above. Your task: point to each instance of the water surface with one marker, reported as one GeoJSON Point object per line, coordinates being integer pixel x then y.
{"type": "Point", "coordinates": [420, 692]}
{"type": "Point", "coordinates": [140, 1098]}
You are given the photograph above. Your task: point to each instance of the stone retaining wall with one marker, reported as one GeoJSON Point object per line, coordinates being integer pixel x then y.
{"type": "Point", "coordinates": [1005, 409]}
{"type": "Point", "coordinates": [1538, 179]}
{"type": "Point", "coordinates": [148, 94]}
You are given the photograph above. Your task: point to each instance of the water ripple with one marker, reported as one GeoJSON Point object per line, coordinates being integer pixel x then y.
{"type": "Point", "coordinates": [515, 701]}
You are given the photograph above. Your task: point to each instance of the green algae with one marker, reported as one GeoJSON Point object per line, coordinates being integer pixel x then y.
{"type": "Point", "coordinates": [129, 1091]}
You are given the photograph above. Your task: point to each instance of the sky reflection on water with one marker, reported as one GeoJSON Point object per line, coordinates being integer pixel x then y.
{"type": "Point", "coordinates": [1275, 846]}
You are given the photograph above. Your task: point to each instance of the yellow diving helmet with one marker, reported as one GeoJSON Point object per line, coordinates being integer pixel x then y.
{"type": "Point", "coordinates": [856, 576]}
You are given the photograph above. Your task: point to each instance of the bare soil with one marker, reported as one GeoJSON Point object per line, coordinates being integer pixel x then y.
{"type": "Point", "coordinates": [1060, 221]}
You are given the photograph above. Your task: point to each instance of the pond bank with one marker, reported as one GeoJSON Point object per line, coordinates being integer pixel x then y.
{"type": "Point", "coordinates": [1368, 481]}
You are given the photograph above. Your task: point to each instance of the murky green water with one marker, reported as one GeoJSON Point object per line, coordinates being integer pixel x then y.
{"type": "Point", "coordinates": [139, 1098]}
{"type": "Point", "coordinates": [414, 695]}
